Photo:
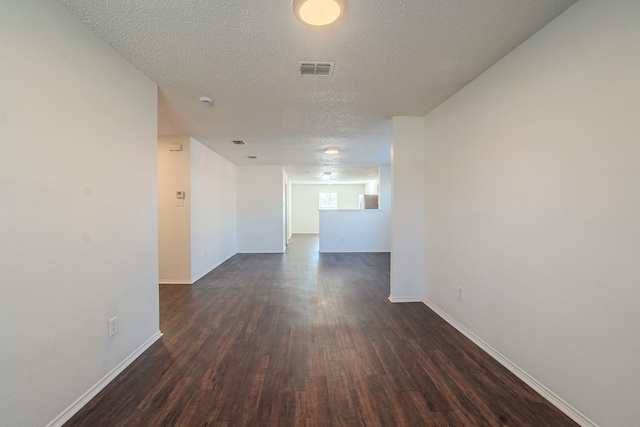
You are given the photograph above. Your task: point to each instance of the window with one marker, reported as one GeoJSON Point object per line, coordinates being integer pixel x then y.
{"type": "Point", "coordinates": [328, 200]}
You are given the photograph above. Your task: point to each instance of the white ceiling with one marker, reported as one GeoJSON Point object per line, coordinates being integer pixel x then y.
{"type": "Point", "coordinates": [392, 58]}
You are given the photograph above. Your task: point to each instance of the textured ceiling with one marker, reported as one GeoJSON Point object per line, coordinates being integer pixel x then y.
{"type": "Point", "coordinates": [392, 58]}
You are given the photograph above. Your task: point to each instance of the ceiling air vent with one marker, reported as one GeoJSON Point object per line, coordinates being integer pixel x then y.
{"type": "Point", "coordinates": [238, 142]}
{"type": "Point", "coordinates": [324, 69]}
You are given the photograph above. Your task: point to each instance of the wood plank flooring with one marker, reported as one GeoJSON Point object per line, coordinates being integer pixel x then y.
{"type": "Point", "coordinates": [308, 339]}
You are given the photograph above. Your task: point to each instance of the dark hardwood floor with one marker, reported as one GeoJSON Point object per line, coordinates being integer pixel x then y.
{"type": "Point", "coordinates": [308, 339]}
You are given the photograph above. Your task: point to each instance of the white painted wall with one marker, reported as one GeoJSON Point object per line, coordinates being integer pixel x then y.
{"type": "Point", "coordinates": [306, 202]}
{"type": "Point", "coordinates": [174, 222]}
{"type": "Point", "coordinates": [200, 235]}
{"type": "Point", "coordinates": [533, 206]}
{"type": "Point", "coordinates": [260, 209]}
{"type": "Point", "coordinates": [371, 187]}
{"type": "Point", "coordinates": [407, 213]}
{"type": "Point", "coordinates": [213, 210]}
{"type": "Point", "coordinates": [363, 230]}
{"type": "Point", "coordinates": [78, 223]}
{"type": "Point", "coordinates": [288, 203]}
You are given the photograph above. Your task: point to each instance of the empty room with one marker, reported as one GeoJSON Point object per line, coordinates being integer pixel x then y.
{"type": "Point", "coordinates": [320, 213]}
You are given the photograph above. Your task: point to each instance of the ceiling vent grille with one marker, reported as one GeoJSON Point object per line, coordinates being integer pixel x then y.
{"type": "Point", "coordinates": [238, 142]}
{"type": "Point", "coordinates": [320, 69]}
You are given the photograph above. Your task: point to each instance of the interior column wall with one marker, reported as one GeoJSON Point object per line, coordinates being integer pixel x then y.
{"type": "Point", "coordinates": [407, 213]}
{"type": "Point", "coordinates": [174, 221]}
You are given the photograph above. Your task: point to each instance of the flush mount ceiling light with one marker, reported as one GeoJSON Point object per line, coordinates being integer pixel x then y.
{"type": "Point", "coordinates": [331, 151]}
{"type": "Point", "coordinates": [318, 12]}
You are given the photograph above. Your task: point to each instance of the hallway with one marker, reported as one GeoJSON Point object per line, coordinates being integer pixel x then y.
{"type": "Point", "coordinates": [308, 339]}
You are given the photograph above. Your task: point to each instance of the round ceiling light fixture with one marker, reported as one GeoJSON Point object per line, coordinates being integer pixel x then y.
{"type": "Point", "coordinates": [331, 151]}
{"type": "Point", "coordinates": [319, 12]}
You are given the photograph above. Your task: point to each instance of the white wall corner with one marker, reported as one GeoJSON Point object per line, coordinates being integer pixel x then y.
{"type": "Point", "coordinates": [86, 397]}
{"type": "Point", "coordinates": [545, 392]}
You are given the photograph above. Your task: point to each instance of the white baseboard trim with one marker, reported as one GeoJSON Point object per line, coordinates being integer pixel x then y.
{"type": "Point", "coordinates": [104, 381]}
{"type": "Point", "coordinates": [553, 398]}
{"type": "Point", "coordinates": [207, 271]}
{"type": "Point", "coordinates": [262, 252]}
{"type": "Point", "coordinates": [201, 275]}
{"type": "Point", "coordinates": [350, 251]}
{"type": "Point", "coordinates": [404, 299]}
{"type": "Point", "coordinates": [175, 282]}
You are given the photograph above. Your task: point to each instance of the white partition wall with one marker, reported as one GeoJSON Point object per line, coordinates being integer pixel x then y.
{"type": "Point", "coordinates": [533, 206]}
{"type": "Point", "coordinates": [261, 209]}
{"type": "Point", "coordinates": [366, 230]}
{"type": "Point", "coordinates": [78, 222]}
{"type": "Point", "coordinates": [174, 221]}
{"type": "Point", "coordinates": [196, 233]}
{"type": "Point", "coordinates": [407, 213]}
{"type": "Point", "coordinates": [213, 210]}
{"type": "Point", "coordinates": [305, 206]}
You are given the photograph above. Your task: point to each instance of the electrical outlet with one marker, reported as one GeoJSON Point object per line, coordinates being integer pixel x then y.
{"type": "Point", "coordinates": [461, 293]}
{"type": "Point", "coordinates": [113, 326]}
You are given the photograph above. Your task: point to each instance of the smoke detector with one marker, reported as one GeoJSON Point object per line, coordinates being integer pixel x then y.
{"type": "Point", "coordinates": [205, 100]}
